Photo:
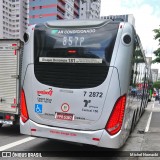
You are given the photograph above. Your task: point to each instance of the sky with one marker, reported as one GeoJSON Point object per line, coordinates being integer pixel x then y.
{"type": "Point", "coordinates": [147, 18]}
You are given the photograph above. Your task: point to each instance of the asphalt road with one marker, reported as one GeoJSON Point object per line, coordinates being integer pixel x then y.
{"type": "Point", "coordinates": [145, 137]}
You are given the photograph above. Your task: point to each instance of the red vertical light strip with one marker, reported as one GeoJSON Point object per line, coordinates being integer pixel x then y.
{"type": "Point", "coordinates": [15, 52]}
{"type": "Point", "coordinates": [14, 101]}
{"type": "Point", "coordinates": [14, 44]}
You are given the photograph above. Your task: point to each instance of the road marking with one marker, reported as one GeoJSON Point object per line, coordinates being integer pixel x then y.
{"type": "Point", "coordinates": [149, 120]}
{"type": "Point", "coordinates": [10, 145]}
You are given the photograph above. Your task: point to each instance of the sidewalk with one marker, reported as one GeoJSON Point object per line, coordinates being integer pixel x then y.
{"type": "Point", "coordinates": [152, 137]}
{"type": "Point", "coordinates": [146, 135]}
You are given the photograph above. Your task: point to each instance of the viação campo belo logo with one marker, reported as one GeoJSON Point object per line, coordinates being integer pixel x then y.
{"type": "Point", "coordinates": [45, 92]}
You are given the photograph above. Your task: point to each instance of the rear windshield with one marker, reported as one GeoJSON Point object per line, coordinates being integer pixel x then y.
{"type": "Point", "coordinates": [89, 44]}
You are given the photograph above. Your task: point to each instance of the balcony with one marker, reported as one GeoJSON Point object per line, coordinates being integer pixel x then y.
{"type": "Point", "coordinates": [60, 15]}
{"type": "Point", "coordinates": [76, 17]}
{"type": "Point", "coordinates": [76, 12]}
{"type": "Point", "coordinates": [62, 1]}
{"type": "Point", "coordinates": [61, 7]}
{"type": "Point", "coordinates": [76, 4]}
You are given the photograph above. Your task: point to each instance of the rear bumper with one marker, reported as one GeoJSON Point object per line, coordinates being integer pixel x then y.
{"type": "Point", "coordinates": [98, 138]}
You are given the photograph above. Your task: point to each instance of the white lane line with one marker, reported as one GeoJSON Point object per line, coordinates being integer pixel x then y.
{"type": "Point", "coordinates": [149, 120]}
{"type": "Point", "coordinates": [10, 145]}
{"type": "Point", "coordinates": [148, 123]}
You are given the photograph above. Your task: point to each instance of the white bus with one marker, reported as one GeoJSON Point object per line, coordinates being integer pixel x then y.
{"type": "Point", "coordinates": [83, 81]}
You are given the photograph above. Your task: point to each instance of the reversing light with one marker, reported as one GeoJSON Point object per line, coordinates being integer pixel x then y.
{"type": "Point", "coordinates": [115, 121]}
{"type": "Point", "coordinates": [23, 106]}
{"type": "Point", "coordinates": [12, 118]}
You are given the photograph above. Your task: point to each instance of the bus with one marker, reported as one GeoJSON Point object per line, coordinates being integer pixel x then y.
{"type": "Point", "coordinates": [79, 81]}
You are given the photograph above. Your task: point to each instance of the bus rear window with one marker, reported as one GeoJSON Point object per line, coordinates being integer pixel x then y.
{"type": "Point", "coordinates": [73, 57]}
{"type": "Point", "coordinates": [97, 43]}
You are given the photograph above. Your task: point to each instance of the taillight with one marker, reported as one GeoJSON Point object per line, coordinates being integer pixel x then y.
{"type": "Point", "coordinates": [115, 121]}
{"type": "Point", "coordinates": [7, 117]}
{"type": "Point", "coordinates": [24, 112]}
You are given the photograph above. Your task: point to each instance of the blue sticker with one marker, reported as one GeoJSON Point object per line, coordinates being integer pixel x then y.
{"type": "Point", "coordinates": [38, 108]}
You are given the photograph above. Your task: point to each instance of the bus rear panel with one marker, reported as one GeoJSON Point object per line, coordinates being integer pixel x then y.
{"type": "Point", "coordinates": [77, 82]}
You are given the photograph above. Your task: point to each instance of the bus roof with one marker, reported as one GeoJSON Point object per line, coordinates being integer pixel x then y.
{"type": "Point", "coordinates": [76, 23]}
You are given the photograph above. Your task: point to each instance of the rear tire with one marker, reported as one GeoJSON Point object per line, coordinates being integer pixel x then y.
{"type": "Point", "coordinates": [1, 125]}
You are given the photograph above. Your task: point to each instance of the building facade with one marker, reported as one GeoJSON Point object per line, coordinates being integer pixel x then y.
{"type": "Point", "coordinates": [126, 18]}
{"type": "Point", "coordinates": [41, 10]}
{"type": "Point", "coordinates": [90, 9]}
{"type": "Point", "coordinates": [45, 10]}
{"type": "Point", "coordinates": [154, 75]}
{"type": "Point", "coordinates": [13, 18]}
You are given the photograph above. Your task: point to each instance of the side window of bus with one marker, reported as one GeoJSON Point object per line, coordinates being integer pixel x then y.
{"type": "Point", "coordinates": [138, 71]}
{"type": "Point", "coordinates": [133, 66]}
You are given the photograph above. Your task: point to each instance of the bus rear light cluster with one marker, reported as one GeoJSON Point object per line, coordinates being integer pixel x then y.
{"type": "Point", "coordinates": [115, 121]}
{"type": "Point", "coordinates": [14, 44]}
{"type": "Point", "coordinates": [23, 106]}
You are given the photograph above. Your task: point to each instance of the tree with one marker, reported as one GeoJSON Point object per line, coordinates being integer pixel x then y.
{"type": "Point", "coordinates": [156, 85]}
{"type": "Point", "coordinates": [157, 52]}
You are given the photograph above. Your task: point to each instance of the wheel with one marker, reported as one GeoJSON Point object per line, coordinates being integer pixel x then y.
{"type": "Point", "coordinates": [1, 125]}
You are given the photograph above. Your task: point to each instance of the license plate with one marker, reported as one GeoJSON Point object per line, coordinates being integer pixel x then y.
{"type": "Point", "coordinates": [6, 122]}
{"type": "Point", "coordinates": [64, 116]}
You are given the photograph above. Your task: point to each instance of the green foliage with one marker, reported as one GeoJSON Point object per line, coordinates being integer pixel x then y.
{"type": "Point", "coordinates": [157, 52]}
{"type": "Point", "coordinates": [156, 84]}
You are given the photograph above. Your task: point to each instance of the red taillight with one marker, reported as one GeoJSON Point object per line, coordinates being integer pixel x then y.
{"type": "Point", "coordinates": [115, 121]}
{"type": "Point", "coordinates": [7, 117]}
{"type": "Point", "coordinates": [72, 51]}
{"type": "Point", "coordinates": [24, 112]}
{"type": "Point", "coordinates": [14, 45]}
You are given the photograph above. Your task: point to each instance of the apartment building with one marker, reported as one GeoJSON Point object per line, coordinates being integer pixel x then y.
{"type": "Point", "coordinates": [42, 10]}
{"type": "Point", "coordinates": [90, 9]}
{"type": "Point", "coordinates": [154, 74]}
{"type": "Point", "coordinates": [13, 18]}
{"type": "Point", "coordinates": [126, 18]}
{"type": "Point", "coordinates": [46, 10]}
